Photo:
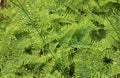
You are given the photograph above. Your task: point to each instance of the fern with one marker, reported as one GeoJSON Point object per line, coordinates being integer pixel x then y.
{"type": "Point", "coordinates": [60, 39]}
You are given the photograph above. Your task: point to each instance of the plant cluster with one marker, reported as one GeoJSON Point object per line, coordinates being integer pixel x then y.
{"type": "Point", "coordinates": [60, 39]}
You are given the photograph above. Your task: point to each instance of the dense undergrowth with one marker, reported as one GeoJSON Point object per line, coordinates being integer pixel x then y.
{"type": "Point", "coordinates": [60, 39]}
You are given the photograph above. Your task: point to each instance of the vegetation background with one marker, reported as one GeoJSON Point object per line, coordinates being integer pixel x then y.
{"type": "Point", "coordinates": [60, 39]}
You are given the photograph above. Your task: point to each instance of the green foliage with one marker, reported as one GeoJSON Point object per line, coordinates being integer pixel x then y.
{"type": "Point", "coordinates": [60, 39]}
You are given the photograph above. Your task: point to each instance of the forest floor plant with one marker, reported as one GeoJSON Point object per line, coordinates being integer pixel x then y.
{"type": "Point", "coordinates": [60, 39]}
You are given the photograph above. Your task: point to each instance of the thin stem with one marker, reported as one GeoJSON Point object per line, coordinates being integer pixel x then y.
{"type": "Point", "coordinates": [25, 10]}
